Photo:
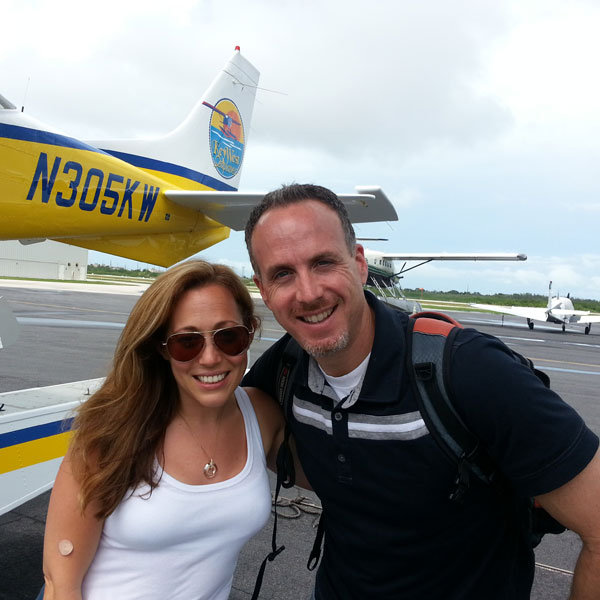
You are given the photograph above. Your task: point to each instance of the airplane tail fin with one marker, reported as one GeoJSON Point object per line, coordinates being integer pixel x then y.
{"type": "Point", "coordinates": [207, 150]}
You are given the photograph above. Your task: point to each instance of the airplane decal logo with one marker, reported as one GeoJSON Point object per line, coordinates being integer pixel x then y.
{"type": "Point", "coordinates": [226, 137]}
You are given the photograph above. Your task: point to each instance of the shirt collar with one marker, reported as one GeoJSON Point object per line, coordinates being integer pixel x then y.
{"type": "Point", "coordinates": [384, 373]}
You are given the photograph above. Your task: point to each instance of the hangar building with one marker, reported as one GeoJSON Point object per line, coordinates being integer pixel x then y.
{"type": "Point", "coordinates": [43, 260]}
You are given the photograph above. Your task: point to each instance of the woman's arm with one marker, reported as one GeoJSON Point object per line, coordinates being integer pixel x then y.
{"type": "Point", "coordinates": [272, 428]}
{"type": "Point", "coordinates": [64, 572]}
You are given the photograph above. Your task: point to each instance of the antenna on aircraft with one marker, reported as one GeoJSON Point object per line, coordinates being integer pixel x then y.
{"type": "Point", "coordinates": [25, 94]}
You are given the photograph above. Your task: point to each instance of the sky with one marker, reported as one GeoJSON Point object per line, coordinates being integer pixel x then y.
{"type": "Point", "coordinates": [479, 118]}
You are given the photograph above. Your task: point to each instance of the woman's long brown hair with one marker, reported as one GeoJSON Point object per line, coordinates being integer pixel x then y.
{"type": "Point", "coordinates": [120, 429]}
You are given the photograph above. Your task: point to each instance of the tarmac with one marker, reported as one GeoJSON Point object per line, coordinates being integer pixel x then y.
{"type": "Point", "coordinates": [48, 353]}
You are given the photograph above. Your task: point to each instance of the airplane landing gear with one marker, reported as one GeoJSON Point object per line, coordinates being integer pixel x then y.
{"type": "Point", "coordinates": [587, 329]}
{"type": "Point", "coordinates": [564, 327]}
{"type": "Point", "coordinates": [530, 323]}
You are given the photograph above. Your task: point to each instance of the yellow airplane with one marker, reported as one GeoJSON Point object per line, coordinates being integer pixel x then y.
{"type": "Point", "coordinates": [158, 201]}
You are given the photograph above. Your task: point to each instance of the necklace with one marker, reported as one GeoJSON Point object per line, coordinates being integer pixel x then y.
{"type": "Point", "coordinates": [210, 468]}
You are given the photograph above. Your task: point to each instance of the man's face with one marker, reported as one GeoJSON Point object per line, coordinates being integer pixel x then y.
{"type": "Point", "coordinates": [313, 284]}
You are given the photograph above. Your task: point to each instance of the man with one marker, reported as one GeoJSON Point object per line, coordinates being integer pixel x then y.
{"type": "Point", "coordinates": [390, 530]}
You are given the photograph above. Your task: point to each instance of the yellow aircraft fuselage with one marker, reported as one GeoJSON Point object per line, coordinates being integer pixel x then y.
{"type": "Point", "coordinates": [53, 186]}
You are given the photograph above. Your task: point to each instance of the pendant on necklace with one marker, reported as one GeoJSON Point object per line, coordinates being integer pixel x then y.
{"type": "Point", "coordinates": [210, 469]}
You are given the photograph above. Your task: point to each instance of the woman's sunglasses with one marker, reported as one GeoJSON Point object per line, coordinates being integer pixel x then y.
{"type": "Point", "coordinates": [185, 346]}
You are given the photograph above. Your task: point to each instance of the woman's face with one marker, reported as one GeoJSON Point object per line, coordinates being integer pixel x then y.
{"type": "Point", "coordinates": [210, 378]}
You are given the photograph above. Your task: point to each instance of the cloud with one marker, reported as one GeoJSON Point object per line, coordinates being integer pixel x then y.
{"type": "Point", "coordinates": [477, 117]}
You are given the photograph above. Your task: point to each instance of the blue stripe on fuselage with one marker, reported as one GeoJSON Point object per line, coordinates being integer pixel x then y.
{"type": "Point", "coordinates": [12, 438]}
{"type": "Point", "coordinates": [26, 134]}
{"type": "Point", "coordinates": [16, 132]}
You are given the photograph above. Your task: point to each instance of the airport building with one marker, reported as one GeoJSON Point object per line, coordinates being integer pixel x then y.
{"type": "Point", "coordinates": [43, 260]}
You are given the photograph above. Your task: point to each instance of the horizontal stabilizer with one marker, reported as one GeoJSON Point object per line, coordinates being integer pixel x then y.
{"type": "Point", "coordinates": [564, 312]}
{"type": "Point", "coordinates": [585, 318]}
{"type": "Point", "coordinates": [232, 209]}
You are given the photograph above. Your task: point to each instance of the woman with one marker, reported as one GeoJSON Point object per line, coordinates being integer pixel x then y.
{"type": "Point", "coordinates": [165, 477]}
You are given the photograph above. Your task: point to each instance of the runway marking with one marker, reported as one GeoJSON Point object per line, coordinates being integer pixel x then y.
{"type": "Point", "coordinates": [520, 339]}
{"type": "Point", "coordinates": [582, 344]}
{"type": "Point", "coordinates": [571, 371]}
{"type": "Point", "coordinates": [69, 323]}
{"type": "Point", "coordinates": [565, 362]}
{"type": "Point", "coordinates": [566, 343]}
{"type": "Point", "coordinates": [98, 310]}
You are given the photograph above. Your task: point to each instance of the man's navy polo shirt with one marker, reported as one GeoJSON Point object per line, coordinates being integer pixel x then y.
{"type": "Point", "coordinates": [391, 531]}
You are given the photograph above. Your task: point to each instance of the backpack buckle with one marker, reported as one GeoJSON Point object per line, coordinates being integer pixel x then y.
{"type": "Point", "coordinates": [424, 371]}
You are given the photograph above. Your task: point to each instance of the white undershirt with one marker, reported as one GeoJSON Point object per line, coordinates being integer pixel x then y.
{"type": "Point", "coordinates": [344, 384]}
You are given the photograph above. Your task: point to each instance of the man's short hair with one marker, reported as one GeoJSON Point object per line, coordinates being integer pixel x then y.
{"type": "Point", "coordinates": [293, 194]}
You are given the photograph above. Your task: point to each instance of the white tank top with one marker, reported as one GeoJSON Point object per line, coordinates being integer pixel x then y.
{"type": "Point", "coordinates": [182, 542]}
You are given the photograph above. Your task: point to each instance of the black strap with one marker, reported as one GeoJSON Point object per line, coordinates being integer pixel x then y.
{"type": "Point", "coordinates": [315, 553]}
{"type": "Point", "coordinates": [275, 551]}
{"type": "Point", "coordinates": [443, 421]}
{"type": "Point", "coordinates": [286, 476]}
{"type": "Point", "coordinates": [290, 359]}
{"type": "Point", "coordinates": [286, 472]}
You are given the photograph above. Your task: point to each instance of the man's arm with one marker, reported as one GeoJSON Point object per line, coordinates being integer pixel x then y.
{"type": "Point", "coordinates": [263, 375]}
{"type": "Point", "coordinates": [576, 505]}
{"type": "Point", "coordinates": [272, 426]}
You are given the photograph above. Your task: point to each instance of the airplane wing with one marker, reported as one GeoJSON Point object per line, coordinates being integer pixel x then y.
{"type": "Point", "coordinates": [528, 312]}
{"type": "Point", "coordinates": [577, 316]}
{"type": "Point", "coordinates": [452, 256]}
{"type": "Point", "coordinates": [369, 204]}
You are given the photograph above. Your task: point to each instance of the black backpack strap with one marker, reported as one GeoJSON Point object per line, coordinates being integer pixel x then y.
{"type": "Point", "coordinates": [430, 338]}
{"type": "Point", "coordinates": [290, 360]}
{"type": "Point", "coordinates": [286, 474]}
{"type": "Point", "coordinates": [315, 553]}
{"type": "Point", "coordinates": [282, 457]}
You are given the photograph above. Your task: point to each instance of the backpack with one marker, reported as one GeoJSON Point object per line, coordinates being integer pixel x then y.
{"type": "Point", "coordinates": [430, 338]}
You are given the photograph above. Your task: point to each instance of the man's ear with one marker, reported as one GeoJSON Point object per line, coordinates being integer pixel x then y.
{"type": "Point", "coordinates": [261, 289]}
{"type": "Point", "coordinates": [361, 261]}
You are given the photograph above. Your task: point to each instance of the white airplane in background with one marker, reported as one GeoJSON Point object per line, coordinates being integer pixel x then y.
{"type": "Point", "coordinates": [559, 310]}
{"type": "Point", "coordinates": [385, 278]}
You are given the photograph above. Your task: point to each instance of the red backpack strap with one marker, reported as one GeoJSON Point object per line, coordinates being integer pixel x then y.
{"type": "Point", "coordinates": [429, 321]}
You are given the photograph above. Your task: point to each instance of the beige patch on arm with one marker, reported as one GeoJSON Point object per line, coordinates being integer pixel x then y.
{"type": "Point", "coordinates": [65, 547]}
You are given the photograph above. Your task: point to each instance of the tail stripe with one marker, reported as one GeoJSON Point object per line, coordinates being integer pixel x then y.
{"type": "Point", "coordinates": [166, 167]}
